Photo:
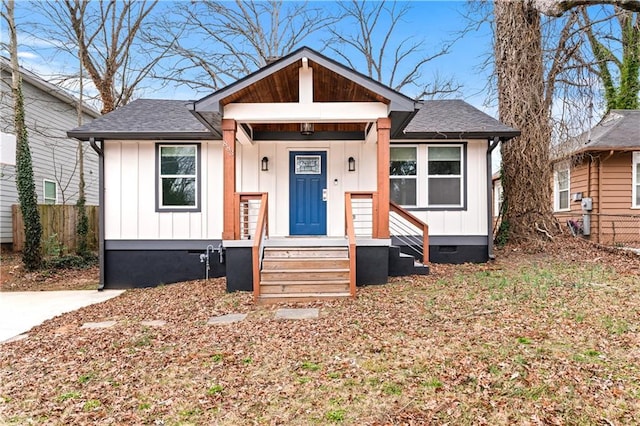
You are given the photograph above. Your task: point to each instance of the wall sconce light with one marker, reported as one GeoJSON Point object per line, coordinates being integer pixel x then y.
{"type": "Point", "coordinates": [352, 164]}
{"type": "Point", "coordinates": [264, 164]}
{"type": "Point", "coordinates": [306, 129]}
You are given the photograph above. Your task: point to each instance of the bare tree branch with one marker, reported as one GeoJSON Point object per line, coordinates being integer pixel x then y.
{"type": "Point", "coordinates": [397, 63]}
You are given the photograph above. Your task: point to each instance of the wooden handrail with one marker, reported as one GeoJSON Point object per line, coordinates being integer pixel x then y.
{"type": "Point", "coordinates": [351, 237]}
{"type": "Point", "coordinates": [417, 223]}
{"type": "Point", "coordinates": [262, 231]}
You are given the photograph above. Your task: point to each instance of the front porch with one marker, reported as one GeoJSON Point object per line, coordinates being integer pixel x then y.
{"type": "Point", "coordinates": [301, 269]}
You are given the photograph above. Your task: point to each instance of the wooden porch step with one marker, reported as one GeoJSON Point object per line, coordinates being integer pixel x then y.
{"type": "Point", "coordinates": [302, 274]}
{"type": "Point", "coordinates": [301, 297]}
{"type": "Point", "coordinates": [304, 287]}
{"type": "Point", "coordinates": [305, 252]}
{"type": "Point", "coordinates": [288, 263]}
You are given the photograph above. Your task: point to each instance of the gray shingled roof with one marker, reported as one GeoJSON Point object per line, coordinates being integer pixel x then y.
{"type": "Point", "coordinates": [147, 119]}
{"type": "Point", "coordinates": [454, 118]}
{"type": "Point", "coordinates": [619, 130]}
{"type": "Point", "coordinates": [172, 119]}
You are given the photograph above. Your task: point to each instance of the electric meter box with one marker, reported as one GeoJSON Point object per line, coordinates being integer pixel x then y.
{"type": "Point", "coordinates": [587, 204]}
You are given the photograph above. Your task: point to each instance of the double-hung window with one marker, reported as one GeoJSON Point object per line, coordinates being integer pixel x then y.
{"type": "Point", "coordinates": [636, 180]}
{"type": "Point", "coordinates": [425, 177]}
{"type": "Point", "coordinates": [444, 176]}
{"type": "Point", "coordinates": [561, 190]}
{"type": "Point", "coordinates": [178, 177]}
{"type": "Point", "coordinates": [403, 173]}
{"type": "Point", "coordinates": [50, 191]}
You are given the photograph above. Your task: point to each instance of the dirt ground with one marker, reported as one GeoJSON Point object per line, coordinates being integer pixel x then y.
{"type": "Point", "coordinates": [13, 277]}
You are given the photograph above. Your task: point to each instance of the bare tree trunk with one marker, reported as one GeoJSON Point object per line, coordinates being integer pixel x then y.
{"type": "Point", "coordinates": [526, 173]}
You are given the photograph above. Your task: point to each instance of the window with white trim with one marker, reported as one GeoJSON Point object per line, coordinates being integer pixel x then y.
{"type": "Point", "coordinates": [561, 190]}
{"type": "Point", "coordinates": [444, 176]}
{"type": "Point", "coordinates": [178, 177]}
{"type": "Point", "coordinates": [636, 180]}
{"type": "Point", "coordinates": [50, 191]}
{"type": "Point", "coordinates": [403, 173]}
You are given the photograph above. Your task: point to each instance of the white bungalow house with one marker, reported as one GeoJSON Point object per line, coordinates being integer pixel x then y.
{"type": "Point", "coordinates": [298, 181]}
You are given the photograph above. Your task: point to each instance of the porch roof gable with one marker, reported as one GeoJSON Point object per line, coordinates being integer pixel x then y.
{"type": "Point", "coordinates": [287, 67]}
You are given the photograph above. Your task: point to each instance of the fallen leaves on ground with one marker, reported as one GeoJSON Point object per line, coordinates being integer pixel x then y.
{"type": "Point", "coordinates": [542, 337]}
{"type": "Point", "coordinates": [13, 277]}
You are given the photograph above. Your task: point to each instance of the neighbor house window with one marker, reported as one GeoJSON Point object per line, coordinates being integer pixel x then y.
{"type": "Point", "coordinates": [561, 189]}
{"type": "Point", "coordinates": [403, 175]}
{"type": "Point", "coordinates": [444, 176]}
{"type": "Point", "coordinates": [50, 191]}
{"type": "Point", "coordinates": [636, 180]}
{"type": "Point", "coordinates": [178, 177]}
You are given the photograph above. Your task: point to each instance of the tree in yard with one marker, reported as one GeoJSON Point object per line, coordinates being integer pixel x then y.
{"type": "Point", "coordinates": [107, 37]}
{"type": "Point", "coordinates": [218, 42]}
{"type": "Point", "coordinates": [31, 253]}
{"type": "Point", "coordinates": [82, 225]}
{"type": "Point", "coordinates": [526, 91]}
{"type": "Point", "coordinates": [398, 63]}
{"type": "Point", "coordinates": [620, 75]}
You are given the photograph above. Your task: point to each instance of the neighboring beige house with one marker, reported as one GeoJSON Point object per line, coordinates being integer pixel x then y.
{"type": "Point", "coordinates": [49, 113]}
{"type": "Point", "coordinates": [602, 165]}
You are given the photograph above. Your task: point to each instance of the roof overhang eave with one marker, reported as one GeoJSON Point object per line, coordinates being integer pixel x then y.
{"type": "Point", "coordinates": [85, 136]}
{"type": "Point", "coordinates": [503, 136]}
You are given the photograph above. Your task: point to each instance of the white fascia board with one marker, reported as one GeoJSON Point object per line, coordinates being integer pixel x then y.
{"type": "Point", "coordinates": [320, 112]}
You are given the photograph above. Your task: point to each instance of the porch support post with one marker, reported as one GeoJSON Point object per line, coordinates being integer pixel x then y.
{"type": "Point", "coordinates": [229, 128]}
{"type": "Point", "coordinates": [384, 135]}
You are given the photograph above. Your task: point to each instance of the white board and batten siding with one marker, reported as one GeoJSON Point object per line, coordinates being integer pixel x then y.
{"type": "Point", "coordinates": [276, 180]}
{"type": "Point", "coordinates": [130, 189]}
{"type": "Point", "coordinates": [472, 220]}
{"type": "Point", "coordinates": [48, 118]}
{"type": "Point", "coordinates": [130, 195]}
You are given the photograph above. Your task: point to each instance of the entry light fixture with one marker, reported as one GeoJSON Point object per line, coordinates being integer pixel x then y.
{"type": "Point", "coordinates": [306, 129]}
{"type": "Point", "coordinates": [264, 164]}
{"type": "Point", "coordinates": [352, 164]}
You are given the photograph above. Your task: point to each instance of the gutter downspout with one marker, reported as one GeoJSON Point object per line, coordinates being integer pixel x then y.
{"type": "Point", "coordinates": [491, 147]}
{"type": "Point", "coordinates": [100, 151]}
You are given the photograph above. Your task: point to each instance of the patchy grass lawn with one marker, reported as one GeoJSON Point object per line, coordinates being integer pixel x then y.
{"type": "Point", "coordinates": [550, 338]}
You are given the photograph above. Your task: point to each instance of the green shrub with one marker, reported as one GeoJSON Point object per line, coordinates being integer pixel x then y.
{"type": "Point", "coordinates": [71, 261]}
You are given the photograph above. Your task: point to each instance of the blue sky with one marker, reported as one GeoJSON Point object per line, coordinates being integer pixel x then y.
{"type": "Point", "coordinates": [435, 22]}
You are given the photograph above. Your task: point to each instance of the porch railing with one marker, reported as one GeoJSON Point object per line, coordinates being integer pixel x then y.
{"type": "Point", "coordinates": [350, 230]}
{"type": "Point", "coordinates": [260, 227]}
{"type": "Point", "coordinates": [248, 206]}
{"type": "Point", "coordinates": [410, 231]}
{"type": "Point", "coordinates": [364, 212]}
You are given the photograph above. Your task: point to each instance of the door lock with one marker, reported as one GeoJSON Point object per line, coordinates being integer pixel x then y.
{"type": "Point", "coordinates": [324, 194]}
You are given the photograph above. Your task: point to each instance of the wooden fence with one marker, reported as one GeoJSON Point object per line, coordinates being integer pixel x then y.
{"type": "Point", "coordinates": [58, 226]}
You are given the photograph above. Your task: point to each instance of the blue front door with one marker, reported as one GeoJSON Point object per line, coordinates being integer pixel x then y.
{"type": "Point", "coordinates": [307, 193]}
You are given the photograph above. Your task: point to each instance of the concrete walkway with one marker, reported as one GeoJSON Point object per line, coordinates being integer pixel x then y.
{"type": "Point", "coordinates": [20, 311]}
